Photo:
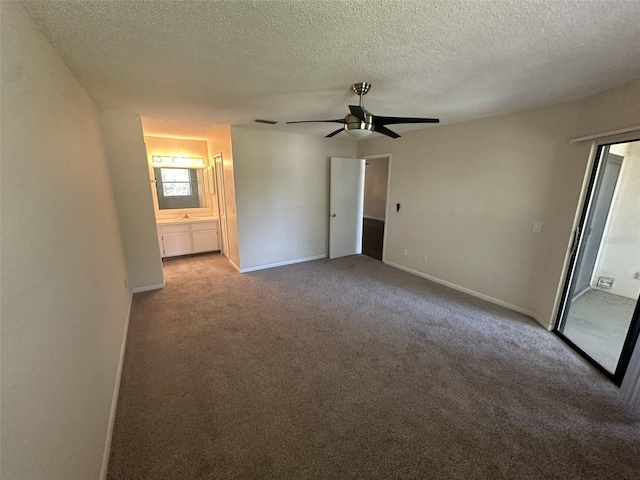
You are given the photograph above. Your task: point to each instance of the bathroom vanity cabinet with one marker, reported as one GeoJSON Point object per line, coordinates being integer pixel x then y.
{"type": "Point", "coordinates": [184, 237]}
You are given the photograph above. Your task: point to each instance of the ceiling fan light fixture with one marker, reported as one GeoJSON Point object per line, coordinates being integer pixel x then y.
{"type": "Point", "coordinates": [356, 127]}
{"type": "Point", "coordinates": [357, 132]}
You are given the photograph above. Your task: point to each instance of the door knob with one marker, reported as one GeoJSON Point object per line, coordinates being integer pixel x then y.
{"type": "Point", "coordinates": [333, 214]}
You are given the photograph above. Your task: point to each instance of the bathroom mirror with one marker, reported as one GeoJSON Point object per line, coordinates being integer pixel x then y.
{"type": "Point", "coordinates": [179, 188]}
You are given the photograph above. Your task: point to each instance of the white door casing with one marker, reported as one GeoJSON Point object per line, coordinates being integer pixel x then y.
{"type": "Point", "coordinates": [346, 206]}
{"type": "Point", "coordinates": [222, 208]}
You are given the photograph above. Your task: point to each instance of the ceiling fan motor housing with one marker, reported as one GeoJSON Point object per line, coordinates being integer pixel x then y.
{"type": "Point", "coordinates": [353, 123]}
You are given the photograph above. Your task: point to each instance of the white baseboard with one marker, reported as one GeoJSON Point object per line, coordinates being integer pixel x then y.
{"type": "Point", "coordinates": [114, 398]}
{"type": "Point", "coordinates": [473, 293]}
{"type": "Point", "coordinates": [281, 264]}
{"type": "Point", "coordinates": [147, 288]}
{"type": "Point", "coordinates": [373, 218]}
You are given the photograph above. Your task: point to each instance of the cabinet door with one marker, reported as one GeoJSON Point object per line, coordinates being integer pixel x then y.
{"type": "Point", "coordinates": [176, 244]}
{"type": "Point", "coordinates": [205, 241]}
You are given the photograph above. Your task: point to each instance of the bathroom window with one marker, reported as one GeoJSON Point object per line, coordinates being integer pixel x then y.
{"type": "Point", "coordinates": [176, 182]}
{"type": "Point", "coordinates": [178, 188]}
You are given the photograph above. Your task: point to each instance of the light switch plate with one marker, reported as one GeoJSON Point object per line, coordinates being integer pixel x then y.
{"type": "Point", "coordinates": [537, 227]}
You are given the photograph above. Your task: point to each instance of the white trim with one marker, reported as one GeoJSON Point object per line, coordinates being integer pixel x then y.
{"type": "Point", "coordinates": [606, 134]}
{"type": "Point", "coordinates": [114, 398]}
{"type": "Point", "coordinates": [146, 288]}
{"type": "Point", "coordinates": [221, 200]}
{"type": "Point", "coordinates": [281, 264]}
{"type": "Point", "coordinates": [373, 218]}
{"type": "Point", "coordinates": [566, 264]}
{"type": "Point", "coordinates": [473, 293]}
{"type": "Point", "coordinates": [376, 155]}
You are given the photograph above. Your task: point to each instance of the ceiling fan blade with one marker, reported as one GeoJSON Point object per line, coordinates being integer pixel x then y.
{"type": "Point", "coordinates": [339, 120]}
{"type": "Point", "coordinates": [385, 131]}
{"type": "Point", "coordinates": [395, 120]}
{"type": "Point", "coordinates": [334, 133]}
{"type": "Point", "coordinates": [357, 111]}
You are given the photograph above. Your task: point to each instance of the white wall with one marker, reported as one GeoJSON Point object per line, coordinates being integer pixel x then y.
{"type": "Point", "coordinates": [619, 255]}
{"type": "Point", "coordinates": [469, 196]}
{"type": "Point", "coordinates": [64, 304]}
{"type": "Point", "coordinates": [132, 190]}
{"type": "Point", "coordinates": [375, 188]}
{"type": "Point", "coordinates": [282, 191]}
{"type": "Point", "coordinates": [610, 110]}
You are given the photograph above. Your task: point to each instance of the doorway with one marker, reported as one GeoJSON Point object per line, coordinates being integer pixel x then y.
{"type": "Point", "coordinates": [374, 217]}
{"type": "Point", "coordinates": [358, 193]}
{"type": "Point", "coordinates": [599, 311]}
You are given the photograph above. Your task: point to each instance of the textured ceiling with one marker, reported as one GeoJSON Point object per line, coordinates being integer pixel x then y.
{"type": "Point", "coordinates": [189, 66]}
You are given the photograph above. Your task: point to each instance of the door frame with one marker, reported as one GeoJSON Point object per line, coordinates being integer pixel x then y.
{"type": "Point", "coordinates": [386, 205]}
{"type": "Point", "coordinates": [221, 198]}
{"type": "Point", "coordinates": [594, 170]}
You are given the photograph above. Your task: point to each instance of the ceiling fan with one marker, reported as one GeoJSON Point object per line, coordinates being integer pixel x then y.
{"type": "Point", "coordinates": [360, 123]}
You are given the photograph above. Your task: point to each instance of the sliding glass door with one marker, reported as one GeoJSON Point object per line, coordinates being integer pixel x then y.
{"type": "Point", "coordinates": [599, 312]}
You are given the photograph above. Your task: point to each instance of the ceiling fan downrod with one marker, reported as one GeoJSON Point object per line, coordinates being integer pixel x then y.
{"type": "Point", "coordinates": [361, 89]}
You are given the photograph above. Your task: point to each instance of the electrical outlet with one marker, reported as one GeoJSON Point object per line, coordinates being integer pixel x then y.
{"type": "Point", "coordinates": [305, 245]}
{"type": "Point", "coordinates": [404, 252]}
{"type": "Point", "coordinates": [424, 258]}
{"type": "Point", "coordinates": [537, 227]}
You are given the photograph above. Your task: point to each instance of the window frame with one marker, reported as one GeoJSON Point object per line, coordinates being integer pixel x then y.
{"type": "Point", "coordinates": [164, 182]}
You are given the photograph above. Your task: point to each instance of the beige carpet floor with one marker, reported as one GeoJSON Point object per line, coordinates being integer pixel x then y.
{"type": "Point", "coordinates": [348, 368]}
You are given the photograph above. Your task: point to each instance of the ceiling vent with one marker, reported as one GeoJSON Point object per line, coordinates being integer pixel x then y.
{"type": "Point", "coordinates": [268, 122]}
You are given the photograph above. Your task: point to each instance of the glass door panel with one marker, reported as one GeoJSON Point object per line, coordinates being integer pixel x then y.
{"type": "Point", "coordinates": [597, 311]}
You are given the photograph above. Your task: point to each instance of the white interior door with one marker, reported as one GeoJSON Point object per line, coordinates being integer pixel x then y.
{"type": "Point", "coordinates": [346, 206]}
{"type": "Point", "coordinates": [222, 208]}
